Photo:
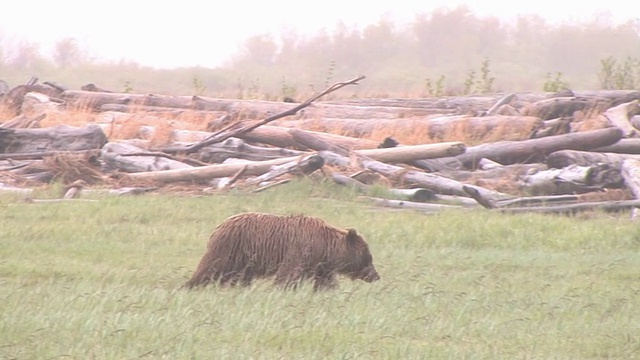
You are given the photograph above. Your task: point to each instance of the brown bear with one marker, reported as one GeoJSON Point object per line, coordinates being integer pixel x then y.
{"type": "Point", "coordinates": [291, 248]}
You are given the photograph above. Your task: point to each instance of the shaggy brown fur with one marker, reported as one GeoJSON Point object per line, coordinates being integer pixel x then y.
{"type": "Point", "coordinates": [290, 248]}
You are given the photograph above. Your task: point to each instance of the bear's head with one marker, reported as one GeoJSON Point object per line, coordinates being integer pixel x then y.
{"type": "Point", "coordinates": [359, 264]}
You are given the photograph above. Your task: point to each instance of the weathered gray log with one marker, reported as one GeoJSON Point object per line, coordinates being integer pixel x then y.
{"type": "Point", "coordinates": [238, 149]}
{"type": "Point", "coordinates": [23, 121]}
{"type": "Point", "coordinates": [631, 174]}
{"type": "Point", "coordinates": [552, 108]}
{"type": "Point", "coordinates": [553, 127]}
{"type": "Point", "coordinates": [506, 173]}
{"type": "Point", "coordinates": [57, 138]}
{"type": "Point", "coordinates": [302, 166]}
{"type": "Point", "coordinates": [505, 100]}
{"type": "Point", "coordinates": [112, 155]}
{"type": "Point", "coordinates": [477, 196]}
{"type": "Point", "coordinates": [205, 173]}
{"type": "Point", "coordinates": [95, 100]}
{"type": "Point", "coordinates": [432, 182]}
{"type": "Point", "coordinates": [416, 194]}
{"type": "Point", "coordinates": [157, 109]}
{"type": "Point", "coordinates": [400, 154]}
{"type": "Point", "coordinates": [563, 158]}
{"type": "Point", "coordinates": [402, 204]}
{"type": "Point", "coordinates": [623, 146]}
{"type": "Point", "coordinates": [609, 206]}
{"type": "Point", "coordinates": [506, 127]}
{"type": "Point", "coordinates": [535, 150]}
{"type": "Point", "coordinates": [537, 200]}
{"type": "Point", "coordinates": [279, 136]}
{"type": "Point", "coordinates": [612, 97]}
{"type": "Point", "coordinates": [619, 116]}
{"type": "Point", "coordinates": [572, 179]}
{"type": "Point", "coordinates": [442, 105]}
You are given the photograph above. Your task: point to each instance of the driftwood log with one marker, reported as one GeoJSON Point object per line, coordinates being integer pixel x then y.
{"type": "Point", "coordinates": [131, 159]}
{"type": "Point", "coordinates": [503, 127]}
{"type": "Point", "coordinates": [552, 108]}
{"type": "Point", "coordinates": [573, 179]}
{"type": "Point", "coordinates": [303, 166]}
{"type": "Point", "coordinates": [281, 137]}
{"type": "Point", "coordinates": [623, 146]}
{"type": "Point", "coordinates": [415, 194]}
{"type": "Point", "coordinates": [535, 150]}
{"type": "Point", "coordinates": [563, 158]}
{"type": "Point", "coordinates": [57, 138]}
{"type": "Point", "coordinates": [619, 116]}
{"type": "Point", "coordinates": [630, 171]}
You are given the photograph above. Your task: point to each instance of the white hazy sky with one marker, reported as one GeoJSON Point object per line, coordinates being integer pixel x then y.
{"type": "Point", "coordinates": [168, 34]}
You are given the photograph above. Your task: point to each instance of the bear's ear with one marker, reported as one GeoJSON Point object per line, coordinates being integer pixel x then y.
{"type": "Point", "coordinates": [352, 236]}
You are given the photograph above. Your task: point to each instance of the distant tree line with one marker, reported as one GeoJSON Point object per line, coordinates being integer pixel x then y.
{"type": "Point", "coordinates": [447, 51]}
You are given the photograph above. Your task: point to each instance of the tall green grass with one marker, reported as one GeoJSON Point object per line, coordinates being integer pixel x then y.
{"type": "Point", "coordinates": [100, 280]}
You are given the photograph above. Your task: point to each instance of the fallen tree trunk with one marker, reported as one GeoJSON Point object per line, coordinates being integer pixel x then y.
{"type": "Point", "coordinates": [505, 127]}
{"type": "Point", "coordinates": [552, 108]}
{"type": "Point", "coordinates": [57, 138]}
{"type": "Point", "coordinates": [564, 158]}
{"type": "Point", "coordinates": [234, 148]}
{"type": "Point", "coordinates": [618, 116]}
{"type": "Point", "coordinates": [613, 97]}
{"type": "Point", "coordinates": [609, 206]}
{"type": "Point", "coordinates": [114, 155]}
{"type": "Point", "coordinates": [432, 182]}
{"type": "Point", "coordinates": [416, 194]}
{"type": "Point", "coordinates": [536, 200]}
{"type": "Point", "coordinates": [401, 154]}
{"type": "Point", "coordinates": [623, 146]}
{"type": "Point", "coordinates": [572, 179]}
{"type": "Point", "coordinates": [282, 137]}
{"type": "Point", "coordinates": [402, 204]}
{"type": "Point", "coordinates": [303, 166]}
{"type": "Point", "coordinates": [535, 150]}
{"type": "Point", "coordinates": [205, 173]}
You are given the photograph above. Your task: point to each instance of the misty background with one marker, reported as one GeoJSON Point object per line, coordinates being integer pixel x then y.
{"type": "Point", "coordinates": [443, 52]}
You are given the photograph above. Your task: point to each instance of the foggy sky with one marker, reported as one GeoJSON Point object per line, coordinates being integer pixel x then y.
{"type": "Point", "coordinates": [204, 33]}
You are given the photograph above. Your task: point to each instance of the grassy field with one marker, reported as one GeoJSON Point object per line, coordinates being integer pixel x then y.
{"type": "Point", "coordinates": [100, 280]}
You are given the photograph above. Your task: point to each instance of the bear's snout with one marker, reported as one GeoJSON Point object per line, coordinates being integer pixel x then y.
{"type": "Point", "coordinates": [369, 274]}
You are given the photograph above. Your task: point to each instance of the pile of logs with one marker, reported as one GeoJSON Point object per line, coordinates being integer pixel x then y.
{"type": "Point", "coordinates": [563, 152]}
